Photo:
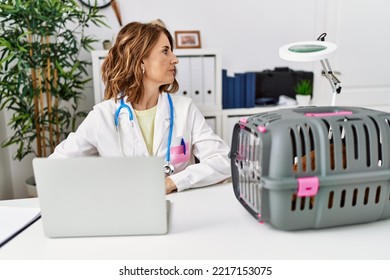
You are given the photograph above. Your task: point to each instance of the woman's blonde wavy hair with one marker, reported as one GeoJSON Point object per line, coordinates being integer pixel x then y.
{"type": "Point", "coordinates": [121, 69]}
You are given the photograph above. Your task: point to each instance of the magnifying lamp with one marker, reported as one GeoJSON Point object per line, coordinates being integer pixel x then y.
{"type": "Point", "coordinates": [313, 51]}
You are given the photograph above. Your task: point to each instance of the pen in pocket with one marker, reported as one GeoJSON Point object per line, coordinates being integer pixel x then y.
{"type": "Point", "coordinates": [183, 143]}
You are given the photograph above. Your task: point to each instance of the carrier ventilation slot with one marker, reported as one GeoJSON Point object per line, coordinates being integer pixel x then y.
{"type": "Point", "coordinates": [379, 141]}
{"type": "Point", "coordinates": [302, 203]}
{"type": "Point", "coordinates": [303, 149]}
{"type": "Point", "coordinates": [266, 118]}
{"type": "Point", "coordinates": [343, 147]}
{"type": "Point", "coordinates": [355, 142]}
{"type": "Point", "coordinates": [387, 121]}
{"type": "Point", "coordinates": [271, 117]}
{"type": "Point", "coordinates": [360, 149]}
{"type": "Point", "coordinates": [294, 150]}
{"type": "Point", "coordinates": [368, 157]}
{"type": "Point", "coordinates": [331, 145]}
{"type": "Point", "coordinates": [358, 197]}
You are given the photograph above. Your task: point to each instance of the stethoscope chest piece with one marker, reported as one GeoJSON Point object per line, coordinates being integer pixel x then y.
{"type": "Point", "coordinates": [168, 168]}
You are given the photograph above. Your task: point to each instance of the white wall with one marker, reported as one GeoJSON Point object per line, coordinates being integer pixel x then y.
{"type": "Point", "coordinates": [247, 32]}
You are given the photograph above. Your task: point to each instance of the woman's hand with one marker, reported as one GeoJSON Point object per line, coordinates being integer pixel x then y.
{"type": "Point", "coordinates": [170, 185]}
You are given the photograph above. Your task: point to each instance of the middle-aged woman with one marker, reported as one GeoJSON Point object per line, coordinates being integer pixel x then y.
{"type": "Point", "coordinates": [141, 117]}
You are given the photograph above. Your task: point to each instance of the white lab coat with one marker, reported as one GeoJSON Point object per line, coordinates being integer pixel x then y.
{"type": "Point", "coordinates": [97, 136]}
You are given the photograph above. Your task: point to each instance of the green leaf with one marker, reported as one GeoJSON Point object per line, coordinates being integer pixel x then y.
{"type": "Point", "coordinates": [64, 23]}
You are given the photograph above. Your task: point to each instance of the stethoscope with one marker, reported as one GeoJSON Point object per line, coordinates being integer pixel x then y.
{"type": "Point", "coordinates": [168, 167]}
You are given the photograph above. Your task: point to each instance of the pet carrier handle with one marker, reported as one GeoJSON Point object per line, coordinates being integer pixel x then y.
{"type": "Point", "coordinates": [329, 114]}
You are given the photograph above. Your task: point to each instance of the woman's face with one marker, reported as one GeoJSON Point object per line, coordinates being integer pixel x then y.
{"type": "Point", "coordinates": [160, 65]}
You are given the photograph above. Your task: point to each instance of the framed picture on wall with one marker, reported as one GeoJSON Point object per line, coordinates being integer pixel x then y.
{"type": "Point", "coordinates": [187, 39]}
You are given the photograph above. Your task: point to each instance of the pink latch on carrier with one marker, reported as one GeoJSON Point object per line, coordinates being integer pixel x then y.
{"type": "Point", "coordinates": [308, 186]}
{"type": "Point", "coordinates": [261, 128]}
{"type": "Point", "coordinates": [243, 121]}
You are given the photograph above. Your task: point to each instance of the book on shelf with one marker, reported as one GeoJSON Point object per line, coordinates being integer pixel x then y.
{"type": "Point", "coordinates": [238, 91]}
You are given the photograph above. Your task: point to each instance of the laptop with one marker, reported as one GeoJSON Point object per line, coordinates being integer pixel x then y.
{"type": "Point", "coordinates": [102, 196]}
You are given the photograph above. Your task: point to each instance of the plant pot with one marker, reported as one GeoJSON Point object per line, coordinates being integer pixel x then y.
{"type": "Point", "coordinates": [31, 187]}
{"type": "Point", "coordinates": [303, 100]}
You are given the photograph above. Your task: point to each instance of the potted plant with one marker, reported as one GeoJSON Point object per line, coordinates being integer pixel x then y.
{"type": "Point", "coordinates": [42, 76]}
{"type": "Point", "coordinates": [304, 91]}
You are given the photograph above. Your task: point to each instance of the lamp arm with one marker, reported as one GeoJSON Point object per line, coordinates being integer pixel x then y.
{"type": "Point", "coordinates": [333, 80]}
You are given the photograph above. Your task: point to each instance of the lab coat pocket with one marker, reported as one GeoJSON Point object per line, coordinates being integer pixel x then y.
{"type": "Point", "coordinates": [180, 154]}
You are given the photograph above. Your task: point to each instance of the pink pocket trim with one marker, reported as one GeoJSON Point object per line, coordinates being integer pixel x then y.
{"type": "Point", "coordinates": [177, 154]}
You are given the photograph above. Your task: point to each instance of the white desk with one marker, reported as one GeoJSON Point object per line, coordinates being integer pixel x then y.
{"type": "Point", "coordinates": [208, 223]}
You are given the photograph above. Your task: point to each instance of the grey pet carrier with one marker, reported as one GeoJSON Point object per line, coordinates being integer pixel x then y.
{"type": "Point", "coordinates": [313, 167]}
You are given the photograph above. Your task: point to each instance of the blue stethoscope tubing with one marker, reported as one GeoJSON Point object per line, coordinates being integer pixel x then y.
{"type": "Point", "coordinates": [168, 167]}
